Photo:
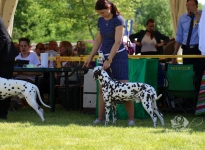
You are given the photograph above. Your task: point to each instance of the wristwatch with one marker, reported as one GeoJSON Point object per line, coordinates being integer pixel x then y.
{"type": "Point", "coordinates": [109, 60]}
{"type": "Point", "coordinates": [174, 53]}
{"type": "Point", "coordinates": [196, 13]}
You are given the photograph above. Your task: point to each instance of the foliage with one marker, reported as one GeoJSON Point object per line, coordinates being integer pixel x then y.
{"type": "Point", "coordinates": [75, 20]}
{"type": "Point", "coordinates": [158, 10]}
{"type": "Point", "coordinates": [200, 6]}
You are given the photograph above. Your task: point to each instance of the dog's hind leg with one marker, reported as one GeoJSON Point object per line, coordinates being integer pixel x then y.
{"type": "Point", "coordinates": [156, 111]}
{"type": "Point", "coordinates": [148, 107]}
{"type": "Point", "coordinates": [114, 112]}
{"type": "Point", "coordinates": [32, 102]}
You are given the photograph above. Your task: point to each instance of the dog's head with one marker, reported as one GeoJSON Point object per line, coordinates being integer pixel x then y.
{"type": "Point", "coordinates": [179, 122]}
{"type": "Point", "coordinates": [97, 72]}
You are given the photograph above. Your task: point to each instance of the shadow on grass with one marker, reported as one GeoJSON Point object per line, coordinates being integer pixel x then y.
{"type": "Point", "coordinates": [62, 117]}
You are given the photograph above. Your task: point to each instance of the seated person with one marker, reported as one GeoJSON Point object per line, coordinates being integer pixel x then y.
{"type": "Point", "coordinates": [65, 49]}
{"type": "Point", "coordinates": [80, 48]}
{"type": "Point", "coordinates": [26, 54]}
{"type": "Point", "coordinates": [40, 48]}
{"type": "Point", "coordinates": [52, 48]}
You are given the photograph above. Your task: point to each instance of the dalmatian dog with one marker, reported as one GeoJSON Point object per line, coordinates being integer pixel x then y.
{"type": "Point", "coordinates": [11, 87]}
{"type": "Point", "coordinates": [115, 92]}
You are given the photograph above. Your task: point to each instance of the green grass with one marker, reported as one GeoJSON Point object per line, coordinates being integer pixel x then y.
{"type": "Point", "coordinates": [73, 130]}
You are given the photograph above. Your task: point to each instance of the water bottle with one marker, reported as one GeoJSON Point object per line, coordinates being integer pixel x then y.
{"type": "Point", "coordinates": [100, 60]}
{"type": "Point", "coordinates": [51, 61]}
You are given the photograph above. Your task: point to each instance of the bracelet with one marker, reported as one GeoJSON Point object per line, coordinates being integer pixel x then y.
{"type": "Point", "coordinates": [109, 60]}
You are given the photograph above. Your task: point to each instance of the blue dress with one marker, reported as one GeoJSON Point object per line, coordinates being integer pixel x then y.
{"type": "Point", "coordinates": [119, 63]}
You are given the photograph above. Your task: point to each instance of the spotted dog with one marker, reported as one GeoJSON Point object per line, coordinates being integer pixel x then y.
{"type": "Point", "coordinates": [10, 87]}
{"type": "Point", "coordinates": [115, 92]}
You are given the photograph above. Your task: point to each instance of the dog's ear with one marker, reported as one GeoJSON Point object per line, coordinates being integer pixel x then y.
{"type": "Point", "coordinates": [96, 74]}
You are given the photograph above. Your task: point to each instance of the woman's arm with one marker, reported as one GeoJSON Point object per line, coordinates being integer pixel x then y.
{"type": "Point", "coordinates": [137, 35]}
{"type": "Point", "coordinates": [96, 46]}
{"type": "Point", "coordinates": [162, 37]}
{"type": "Point", "coordinates": [119, 32]}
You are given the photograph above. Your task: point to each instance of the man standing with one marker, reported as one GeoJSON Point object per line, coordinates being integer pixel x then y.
{"type": "Point", "coordinates": [8, 52]}
{"type": "Point", "coordinates": [187, 37]}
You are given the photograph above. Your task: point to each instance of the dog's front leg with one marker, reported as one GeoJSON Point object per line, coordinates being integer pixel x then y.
{"type": "Point", "coordinates": [114, 112]}
{"type": "Point", "coordinates": [107, 112]}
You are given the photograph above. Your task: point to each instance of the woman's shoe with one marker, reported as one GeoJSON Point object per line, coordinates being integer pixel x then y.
{"type": "Point", "coordinates": [97, 121]}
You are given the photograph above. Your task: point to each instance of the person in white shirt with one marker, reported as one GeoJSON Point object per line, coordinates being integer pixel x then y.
{"type": "Point", "coordinates": [26, 54]}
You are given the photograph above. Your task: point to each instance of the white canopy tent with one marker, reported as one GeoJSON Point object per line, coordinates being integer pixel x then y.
{"type": "Point", "coordinates": [8, 8]}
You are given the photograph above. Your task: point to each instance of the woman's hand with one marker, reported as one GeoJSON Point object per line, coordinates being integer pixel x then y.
{"type": "Point", "coordinates": [87, 63]}
{"type": "Point", "coordinates": [159, 44]}
{"type": "Point", "coordinates": [106, 65]}
{"type": "Point", "coordinates": [138, 43]}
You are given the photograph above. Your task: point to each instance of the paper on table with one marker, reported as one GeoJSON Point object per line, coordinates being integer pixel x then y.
{"type": "Point", "coordinates": [44, 60]}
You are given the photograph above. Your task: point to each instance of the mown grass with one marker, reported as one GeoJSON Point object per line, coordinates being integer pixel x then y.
{"type": "Point", "coordinates": [73, 130]}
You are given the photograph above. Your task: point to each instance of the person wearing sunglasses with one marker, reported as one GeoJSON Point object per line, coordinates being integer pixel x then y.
{"type": "Point", "coordinates": [40, 48]}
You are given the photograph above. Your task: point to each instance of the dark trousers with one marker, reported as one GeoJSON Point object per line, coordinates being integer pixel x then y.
{"type": "Point", "coordinates": [198, 63]}
{"type": "Point", "coordinates": [6, 71]}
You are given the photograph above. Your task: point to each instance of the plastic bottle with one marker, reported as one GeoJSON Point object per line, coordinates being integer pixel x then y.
{"type": "Point", "coordinates": [100, 60]}
{"type": "Point", "coordinates": [51, 61]}
{"type": "Point", "coordinates": [58, 61]}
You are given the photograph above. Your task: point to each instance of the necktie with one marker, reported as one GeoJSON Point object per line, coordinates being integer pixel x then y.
{"type": "Point", "coordinates": [190, 31]}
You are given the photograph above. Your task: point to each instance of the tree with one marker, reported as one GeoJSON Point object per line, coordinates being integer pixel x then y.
{"type": "Point", "coordinates": [158, 10]}
{"type": "Point", "coordinates": [75, 20]}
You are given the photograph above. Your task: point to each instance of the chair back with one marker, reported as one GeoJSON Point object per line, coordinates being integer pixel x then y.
{"type": "Point", "coordinates": [180, 77]}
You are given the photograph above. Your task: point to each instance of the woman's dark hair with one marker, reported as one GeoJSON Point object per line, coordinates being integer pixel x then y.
{"type": "Point", "coordinates": [196, 1]}
{"type": "Point", "coordinates": [105, 4]}
{"type": "Point", "coordinates": [150, 20]}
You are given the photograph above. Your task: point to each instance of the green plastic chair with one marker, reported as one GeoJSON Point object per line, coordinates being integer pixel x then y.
{"type": "Point", "coordinates": [180, 83]}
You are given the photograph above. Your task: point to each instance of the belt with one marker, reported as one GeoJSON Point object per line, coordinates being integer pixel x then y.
{"type": "Point", "coordinates": [190, 46]}
{"type": "Point", "coordinates": [120, 50]}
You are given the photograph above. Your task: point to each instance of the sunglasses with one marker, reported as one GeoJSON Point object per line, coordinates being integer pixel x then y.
{"type": "Point", "coordinates": [41, 49]}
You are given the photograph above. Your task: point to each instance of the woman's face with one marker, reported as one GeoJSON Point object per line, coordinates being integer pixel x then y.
{"type": "Point", "coordinates": [105, 13]}
{"type": "Point", "coordinates": [24, 47]}
{"type": "Point", "coordinates": [150, 26]}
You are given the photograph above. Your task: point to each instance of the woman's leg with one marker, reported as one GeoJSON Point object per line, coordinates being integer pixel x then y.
{"type": "Point", "coordinates": [129, 107]}
{"type": "Point", "coordinates": [130, 110]}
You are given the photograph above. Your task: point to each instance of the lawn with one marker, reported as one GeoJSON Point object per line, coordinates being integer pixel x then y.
{"type": "Point", "coordinates": [73, 130]}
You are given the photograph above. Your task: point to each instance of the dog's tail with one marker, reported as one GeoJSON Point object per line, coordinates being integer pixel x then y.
{"type": "Point", "coordinates": [158, 97]}
{"type": "Point", "coordinates": [39, 96]}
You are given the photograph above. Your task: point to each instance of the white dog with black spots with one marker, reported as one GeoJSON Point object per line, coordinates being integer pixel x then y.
{"type": "Point", "coordinates": [115, 92]}
{"type": "Point", "coordinates": [11, 87]}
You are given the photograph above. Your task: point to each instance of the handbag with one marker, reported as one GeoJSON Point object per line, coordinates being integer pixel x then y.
{"type": "Point", "coordinates": [130, 48]}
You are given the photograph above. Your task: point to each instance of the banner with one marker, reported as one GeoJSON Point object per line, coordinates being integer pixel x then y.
{"type": "Point", "coordinates": [128, 27]}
